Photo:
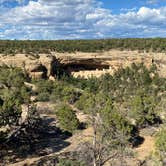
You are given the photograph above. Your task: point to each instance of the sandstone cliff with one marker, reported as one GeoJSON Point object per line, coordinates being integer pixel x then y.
{"type": "Point", "coordinates": [96, 64]}
{"type": "Point", "coordinates": [35, 67]}
{"type": "Point", "coordinates": [83, 64]}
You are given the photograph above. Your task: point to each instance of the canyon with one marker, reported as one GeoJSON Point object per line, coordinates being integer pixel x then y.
{"type": "Point", "coordinates": [80, 64]}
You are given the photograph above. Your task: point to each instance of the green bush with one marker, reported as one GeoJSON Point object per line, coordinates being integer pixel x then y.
{"type": "Point", "coordinates": [160, 144]}
{"type": "Point", "coordinates": [67, 119]}
{"type": "Point", "coordinates": [12, 77]}
{"type": "Point", "coordinates": [13, 94]}
{"type": "Point", "coordinates": [10, 111]}
{"type": "Point", "coordinates": [119, 128]}
{"type": "Point", "coordinates": [144, 110]}
{"type": "Point", "coordinates": [161, 141]}
{"type": "Point", "coordinates": [43, 96]}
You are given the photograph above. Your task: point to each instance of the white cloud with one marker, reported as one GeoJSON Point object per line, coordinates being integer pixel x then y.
{"type": "Point", "coordinates": [61, 19]}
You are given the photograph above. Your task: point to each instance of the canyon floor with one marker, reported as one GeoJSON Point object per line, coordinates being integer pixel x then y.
{"type": "Point", "coordinates": [55, 146]}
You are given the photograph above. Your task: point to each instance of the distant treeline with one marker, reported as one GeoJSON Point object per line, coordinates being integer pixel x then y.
{"type": "Point", "coordinates": [36, 46]}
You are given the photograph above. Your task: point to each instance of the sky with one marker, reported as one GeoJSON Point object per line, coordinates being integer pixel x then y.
{"type": "Point", "coordinates": [81, 19]}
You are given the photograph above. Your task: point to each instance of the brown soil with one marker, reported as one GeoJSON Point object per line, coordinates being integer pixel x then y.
{"type": "Point", "coordinates": [142, 151]}
{"type": "Point", "coordinates": [146, 148]}
{"type": "Point", "coordinates": [73, 141]}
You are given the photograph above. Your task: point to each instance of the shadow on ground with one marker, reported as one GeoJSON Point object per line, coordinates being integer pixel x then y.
{"type": "Point", "coordinates": [44, 139]}
{"type": "Point", "coordinates": [138, 141]}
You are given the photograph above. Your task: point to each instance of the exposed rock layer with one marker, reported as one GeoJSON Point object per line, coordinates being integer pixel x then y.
{"type": "Point", "coordinates": [110, 61]}
{"type": "Point", "coordinates": [83, 64]}
{"type": "Point", "coordinates": [35, 67]}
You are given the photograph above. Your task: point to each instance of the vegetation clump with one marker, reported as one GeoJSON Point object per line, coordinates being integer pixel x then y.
{"type": "Point", "coordinates": [116, 106]}
{"type": "Point", "coordinates": [161, 143]}
{"type": "Point", "coordinates": [67, 119]}
{"type": "Point", "coordinates": [13, 95]}
{"type": "Point", "coordinates": [35, 47]}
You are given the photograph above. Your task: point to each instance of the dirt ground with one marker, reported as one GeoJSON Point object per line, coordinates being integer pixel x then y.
{"type": "Point", "coordinates": [146, 148]}
{"type": "Point", "coordinates": [142, 151]}
{"type": "Point", "coordinates": [73, 141]}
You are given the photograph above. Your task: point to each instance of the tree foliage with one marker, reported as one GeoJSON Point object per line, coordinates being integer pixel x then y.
{"type": "Point", "coordinates": [10, 111]}
{"type": "Point", "coordinates": [160, 144]}
{"type": "Point", "coordinates": [67, 119]}
{"type": "Point", "coordinates": [36, 47]}
{"type": "Point", "coordinates": [13, 94]}
{"type": "Point", "coordinates": [111, 102]}
{"type": "Point", "coordinates": [161, 140]}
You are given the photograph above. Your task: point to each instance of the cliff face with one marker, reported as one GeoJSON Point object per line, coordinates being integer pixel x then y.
{"type": "Point", "coordinates": [36, 67]}
{"type": "Point", "coordinates": [96, 64]}
{"type": "Point", "coordinates": [83, 64]}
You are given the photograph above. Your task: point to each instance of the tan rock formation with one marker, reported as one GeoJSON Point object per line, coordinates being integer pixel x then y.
{"type": "Point", "coordinates": [109, 61]}
{"type": "Point", "coordinates": [84, 64]}
{"type": "Point", "coordinates": [36, 67]}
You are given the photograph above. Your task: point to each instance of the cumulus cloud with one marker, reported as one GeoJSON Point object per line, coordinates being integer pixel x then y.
{"type": "Point", "coordinates": [73, 19]}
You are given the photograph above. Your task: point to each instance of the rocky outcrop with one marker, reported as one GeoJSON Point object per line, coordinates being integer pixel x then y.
{"type": "Point", "coordinates": [83, 64]}
{"type": "Point", "coordinates": [96, 64]}
{"type": "Point", "coordinates": [36, 67]}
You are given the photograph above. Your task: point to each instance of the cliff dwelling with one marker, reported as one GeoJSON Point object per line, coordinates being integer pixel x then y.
{"type": "Point", "coordinates": [81, 64]}
{"type": "Point", "coordinates": [86, 69]}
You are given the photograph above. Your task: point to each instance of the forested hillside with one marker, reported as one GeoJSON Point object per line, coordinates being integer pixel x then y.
{"type": "Point", "coordinates": [117, 108]}
{"type": "Point", "coordinates": [12, 47]}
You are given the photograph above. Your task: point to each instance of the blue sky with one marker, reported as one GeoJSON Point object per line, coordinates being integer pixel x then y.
{"type": "Point", "coordinates": [116, 5]}
{"type": "Point", "coordinates": [81, 19]}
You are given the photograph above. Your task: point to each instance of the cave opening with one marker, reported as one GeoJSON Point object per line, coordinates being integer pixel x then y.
{"type": "Point", "coordinates": [41, 69]}
{"type": "Point", "coordinates": [84, 67]}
